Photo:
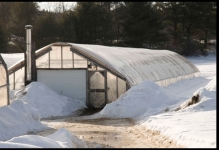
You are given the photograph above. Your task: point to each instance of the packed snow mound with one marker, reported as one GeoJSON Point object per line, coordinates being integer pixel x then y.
{"type": "Point", "coordinates": [197, 122]}
{"type": "Point", "coordinates": [146, 97]}
{"type": "Point", "coordinates": [18, 118]}
{"type": "Point", "coordinates": [48, 102]}
{"type": "Point", "coordinates": [68, 139]}
{"type": "Point", "coordinates": [60, 139]}
{"type": "Point", "coordinates": [207, 98]}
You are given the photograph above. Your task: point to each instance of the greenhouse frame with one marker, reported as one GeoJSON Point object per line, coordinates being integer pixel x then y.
{"type": "Point", "coordinates": [4, 83]}
{"type": "Point", "coordinates": [98, 74]}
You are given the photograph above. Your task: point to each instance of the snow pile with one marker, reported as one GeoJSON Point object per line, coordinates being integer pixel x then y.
{"type": "Point", "coordinates": [24, 113]}
{"type": "Point", "coordinates": [48, 102]}
{"type": "Point", "coordinates": [60, 139]}
{"type": "Point", "coordinates": [194, 126]}
{"type": "Point", "coordinates": [18, 118]}
{"type": "Point", "coordinates": [207, 98]}
{"type": "Point", "coordinates": [146, 97]}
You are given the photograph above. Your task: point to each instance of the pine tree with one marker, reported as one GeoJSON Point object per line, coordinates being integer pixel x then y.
{"type": "Point", "coordinates": [142, 24]}
{"type": "Point", "coordinates": [3, 41]}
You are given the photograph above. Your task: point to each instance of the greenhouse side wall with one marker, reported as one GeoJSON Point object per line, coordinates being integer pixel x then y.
{"type": "Point", "coordinates": [4, 89]}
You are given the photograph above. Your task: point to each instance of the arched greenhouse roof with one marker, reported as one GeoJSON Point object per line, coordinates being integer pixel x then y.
{"type": "Point", "coordinates": [132, 64]}
{"type": "Point", "coordinates": [139, 64]}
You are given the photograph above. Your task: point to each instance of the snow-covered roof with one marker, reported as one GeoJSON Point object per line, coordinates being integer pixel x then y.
{"type": "Point", "coordinates": [139, 64]}
{"type": "Point", "coordinates": [132, 64]}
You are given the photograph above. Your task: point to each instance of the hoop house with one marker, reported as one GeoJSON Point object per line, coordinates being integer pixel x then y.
{"type": "Point", "coordinates": [99, 74]}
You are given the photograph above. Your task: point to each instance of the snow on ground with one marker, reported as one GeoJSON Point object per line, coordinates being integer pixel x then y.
{"type": "Point", "coordinates": [46, 101]}
{"type": "Point", "coordinates": [23, 115]}
{"type": "Point", "coordinates": [146, 97]}
{"type": "Point", "coordinates": [147, 103]}
{"type": "Point", "coordinates": [18, 118]}
{"type": "Point", "coordinates": [60, 139]}
{"type": "Point", "coordinates": [155, 107]}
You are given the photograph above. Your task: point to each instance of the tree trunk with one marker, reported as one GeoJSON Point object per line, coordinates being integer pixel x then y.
{"type": "Point", "coordinates": [206, 38]}
{"type": "Point", "coordinates": [175, 37]}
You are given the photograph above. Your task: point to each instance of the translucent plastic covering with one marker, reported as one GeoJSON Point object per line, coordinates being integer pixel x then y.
{"type": "Point", "coordinates": [139, 64]}
{"type": "Point", "coordinates": [19, 78]}
{"type": "Point", "coordinates": [111, 87]}
{"type": "Point", "coordinates": [96, 98]}
{"type": "Point", "coordinates": [3, 75]}
{"type": "Point", "coordinates": [11, 81]}
{"type": "Point", "coordinates": [43, 61]}
{"type": "Point", "coordinates": [16, 79]}
{"type": "Point", "coordinates": [67, 57]}
{"type": "Point", "coordinates": [55, 57]}
{"type": "Point", "coordinates": [3, 96]}
{"type": "Point", "coordinates": [3, 83]}
{"type": "Point", "coordinates": [97, 81]}
{"type": "Point", "coordinates": [79, 62]}
{"type": "Point", "coordinates": [121, 87]}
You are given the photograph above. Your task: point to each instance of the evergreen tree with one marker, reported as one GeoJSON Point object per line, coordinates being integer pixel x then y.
{"type": "Point", "coordinates": [23, 13]}
{"type": "Point", "coordinates": [171, 12]}
{"type": "Point", "coordinates": [3, 41]}
{"type": "Point", "coordinates": [118, 17]}
{"type": "Point", "coordinates": [46, 30]}
{"type": "Point", "coordinates": [67, 27]}
{"type": "Point", "coordinates": [92, 23]}
{"type": "Point", "coordinates": [208, 19]}
{"type": "Point", "coordinates": [142, 24]}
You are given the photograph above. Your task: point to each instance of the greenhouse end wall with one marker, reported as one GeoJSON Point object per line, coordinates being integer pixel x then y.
{"type": "Point", "coordinates": [61, 58]}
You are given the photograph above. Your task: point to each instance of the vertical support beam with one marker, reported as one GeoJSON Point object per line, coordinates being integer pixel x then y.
{"type": "Point", "coordinates": [105, 83]}
{"type": "Point", "coordinates": [49, 60]}
{"type": "Point", "coordinates": [8, 85]}
{"type": "Point", "coordinates": [73, 59]}
{"type": "Point", "coordinates": [117, 89]}
{"type": "Point", "coordinates": [87, 88]}
{"type": "Point", "coordinates": [14, 81]}
{"type": "Point", "coordinates": [61, 58]}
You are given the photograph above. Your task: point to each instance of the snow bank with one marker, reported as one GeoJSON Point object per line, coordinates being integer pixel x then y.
{"type": "Point", "coordinates": [60, 139]}
{"type": "Point", "coordinates": [146, 97]}
{"type": "Point", "coordinates": [48, 102]}
{"type": "Point", "coordinates": [18, 118]}
{"type": "Point", "coordinates": [193, 126]}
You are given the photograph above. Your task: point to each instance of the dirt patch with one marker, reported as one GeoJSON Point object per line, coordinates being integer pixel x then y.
{"type": "Point", "coordinates": [109, 133]}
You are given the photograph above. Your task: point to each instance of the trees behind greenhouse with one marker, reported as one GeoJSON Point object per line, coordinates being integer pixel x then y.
{"type": "Point", "coordinates": [177, 26]}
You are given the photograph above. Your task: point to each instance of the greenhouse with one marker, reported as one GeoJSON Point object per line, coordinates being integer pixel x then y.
{"type": "Point", "coordinates": [4, 83]}
{"type": "Point", "coordinates": [99, 74]}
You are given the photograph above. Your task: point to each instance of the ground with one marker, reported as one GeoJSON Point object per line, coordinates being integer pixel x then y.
{"type": "Point", "coordinates": [108, 133]}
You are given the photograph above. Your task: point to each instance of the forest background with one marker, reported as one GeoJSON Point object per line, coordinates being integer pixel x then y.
{"type": "Point", "coordinates": [182, 27]}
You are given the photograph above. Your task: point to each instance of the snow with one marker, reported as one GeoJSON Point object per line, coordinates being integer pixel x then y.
{"type": "Point", "coordinates": [42, 98]}
{"type": "Point", "coordinates": [148, 104]}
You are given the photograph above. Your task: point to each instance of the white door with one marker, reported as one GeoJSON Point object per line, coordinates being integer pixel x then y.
{"type": "Point", "coordinates": [71, 83]}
